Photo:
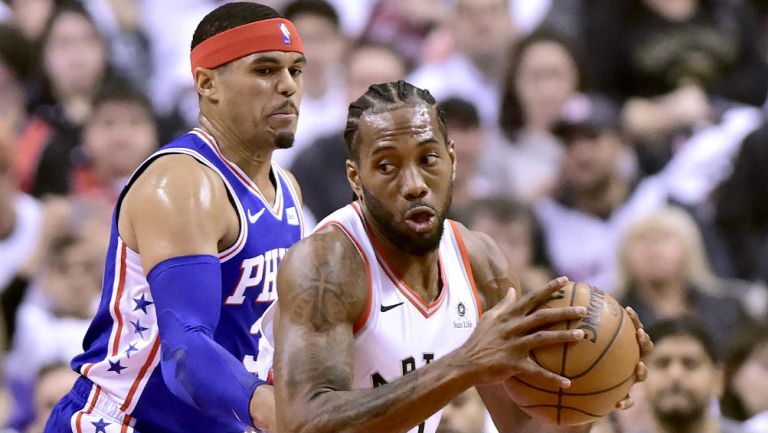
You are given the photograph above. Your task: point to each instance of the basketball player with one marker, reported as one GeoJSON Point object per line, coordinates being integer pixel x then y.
{"type": "Point", "coordinates": [196, 240]}
{"type": "Point", "coordinates": [389, 311]}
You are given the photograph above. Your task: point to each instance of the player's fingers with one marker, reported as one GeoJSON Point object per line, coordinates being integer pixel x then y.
{"type": "Point", "coordinates": [635, 318]}
{"type": "Point", "coordinates": [641, 372]}
{"type": "Point", "coordinates": [534, 298]}
{"type": "Point", "coordinates": [626, 403]}
{"type": "Point", "coordinates": [510, 297]}
{"type": "Point", "coordinates": [545, 338]}
{"type": "Point", "coordinates": [548, 316]}
{"type": "Point", "coordinates": [542, 375]}
{"type": "Point", "coordinates": [644, 340]}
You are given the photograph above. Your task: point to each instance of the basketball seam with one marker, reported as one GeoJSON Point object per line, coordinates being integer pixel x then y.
{"type": "Point", "coordinates": [576, 394]}
{"type": "Point", "coordinates": [605, 350]}
{"type": "Point", "coordinates": [534, 406]}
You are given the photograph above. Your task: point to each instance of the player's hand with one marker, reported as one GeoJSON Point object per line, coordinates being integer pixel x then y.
{"type": "Point", "coordinates": [262, 408]}
{"type": "Point", "coordinates": [500, 345]}
{"type": "Point", "coordinates": [646, 347]}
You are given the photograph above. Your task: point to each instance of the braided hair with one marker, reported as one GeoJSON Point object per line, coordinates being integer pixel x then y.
{"type": "Point", "coordinates": [384, 97]}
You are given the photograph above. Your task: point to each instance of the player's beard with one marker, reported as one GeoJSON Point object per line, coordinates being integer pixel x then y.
{"type": "Point", "coordinates": [679, 417]}
{"type": "Point", "coordinates": [284, 140]}
{"type": "Point", "coordinates": [386, 222]}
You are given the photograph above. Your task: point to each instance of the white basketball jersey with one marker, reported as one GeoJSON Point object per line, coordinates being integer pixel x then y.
{"type": "Point", "coordinates": [401, 332]}
{"type": "Point", "coordinates": [398, 332]}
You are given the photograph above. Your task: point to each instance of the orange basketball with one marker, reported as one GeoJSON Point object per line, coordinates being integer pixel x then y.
{"type": "Point", "coordinates": [601, 367]}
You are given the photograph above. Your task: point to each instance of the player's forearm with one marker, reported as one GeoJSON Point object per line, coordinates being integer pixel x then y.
{"type": "Point", "coordinates": [394, 407]}
{"type": "Point", "coordinates": [186, 296]}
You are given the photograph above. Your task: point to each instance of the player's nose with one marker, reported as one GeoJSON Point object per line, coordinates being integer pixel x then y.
{"type": "Point", "coordinates": [412, 183]}
{"type": "Point", "coordinates": [286, 83]}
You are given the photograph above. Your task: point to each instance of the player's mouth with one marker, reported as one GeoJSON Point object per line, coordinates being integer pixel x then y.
{"type": "Point", "coordinates": [420, 219]}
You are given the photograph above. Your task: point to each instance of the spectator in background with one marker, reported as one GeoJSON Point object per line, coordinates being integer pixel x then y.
{"type": "Point", "coordinates": [324, 107]}
{"type": "Point", "coordinates": [120, 24]}
{"type": "Point", "coordinates": [53, 331]}
{"type": "Point", "coordinates": [75, 66]}
{"type": "Point", "coordinates": [514, 228]}
{"type": "Point", "coordinates": [20, 224]}
{"type": "Point", "coordinates": [463, 126]}
{"type": "Point", "coordinates": [747, 380]}
{"type": "Point", "coordinates": [17, 61]}
{"type": "Point", "coordinates": [31, 15]}
{"type": "Point", "coordinates": [663, 273]}
{"type": "Point", "coordinates": [53, 382]}
{"type": "Point", "coordinates": [120, 133]}
{"type": "Point", "coordinates": [483, 30]}
{"type": "Point", "coordinates": [406, 25]}
{"type": "Point", "coordinates": [742, 209]}
{"type": "Point", "coordinates": [685, 378]}
{"type": "Point", "coordinates": [542, 74]}
{"type": "Point", "coordinates": [597, 198]}
{"type": "Point", "coordinates": [320, 168]}
{"type": "Point", "coordinates": [675, 65]}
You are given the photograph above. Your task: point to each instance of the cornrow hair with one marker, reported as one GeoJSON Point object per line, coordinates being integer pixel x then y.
{"type": "Point", "coordinates": [386, 97]}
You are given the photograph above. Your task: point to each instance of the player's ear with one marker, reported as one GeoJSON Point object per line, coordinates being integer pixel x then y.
{"type": "Point", "coordinates": [205, 83]}
{"type": "Point", "coordinates": [353, 176]}
{"type": "Point", "coordinates": [452, 154]}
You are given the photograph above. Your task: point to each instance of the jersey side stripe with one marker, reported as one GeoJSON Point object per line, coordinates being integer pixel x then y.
{"type": "Point", "coordinates": [78, 417]}
{"type": "Point", "coordinates": [467, 266]}
{"type": "Point", "coordinates": [140, 378]}
{"type": "Point", "coordinates": [117, 298]}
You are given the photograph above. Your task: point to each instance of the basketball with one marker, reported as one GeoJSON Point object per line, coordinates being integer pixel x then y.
{"type": "Point", "coordinates": [601, 367]}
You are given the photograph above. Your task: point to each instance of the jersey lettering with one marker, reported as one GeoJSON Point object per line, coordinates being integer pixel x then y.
{"type": "Point", "coordinates": [254, 272]}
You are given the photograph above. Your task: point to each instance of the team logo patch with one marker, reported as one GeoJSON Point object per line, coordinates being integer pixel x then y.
{"type": "Point", "coordinates": [286, 34]}
{"type": "Point", "coordinates": [293, 217]}
{"type": "Point", "coordinates": [460, 321]}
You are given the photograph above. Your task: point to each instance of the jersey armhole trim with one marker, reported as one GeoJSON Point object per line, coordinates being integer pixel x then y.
{"type": "Point", "coordinates": [366, 314]}
{"type": "Point", "coordinates": [239, 243]}
{"type": "Point", "coordinates": [468, 266]}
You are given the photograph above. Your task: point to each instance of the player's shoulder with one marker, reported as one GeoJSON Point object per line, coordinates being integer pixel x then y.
{"type": "Point", "coordinates": [480, 247]}
{"type": "Point", "coordinates": [328, 246]}
{"type": "Point", "coordinates": [326, 269]}
{"type": "Point", "coordinates": [177, 172]}
{"type": "Point", "coordinates": [490, 268]}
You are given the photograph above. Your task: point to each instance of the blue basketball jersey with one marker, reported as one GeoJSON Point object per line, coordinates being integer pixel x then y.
{"type": "Point", "coordinates": [120, 366]}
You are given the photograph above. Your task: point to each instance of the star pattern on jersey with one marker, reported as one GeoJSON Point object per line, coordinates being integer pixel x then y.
{"type": "Point", "coordinates": [142, 304]}
{"type": "Point", "coordinates": [116, 367]}
{"type": "Point", "coordinates": [138, 329]}
{"type": "Point", "coordinates": [100, 426]}
{"type": "Point", "coordinates": [131, 348]}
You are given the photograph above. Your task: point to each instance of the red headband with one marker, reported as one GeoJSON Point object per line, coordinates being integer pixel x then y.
{"type": "Point", "coordinates": [275, 34]}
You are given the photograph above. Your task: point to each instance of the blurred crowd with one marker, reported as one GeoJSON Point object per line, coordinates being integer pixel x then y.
{"type": "Point", "coordinates": [623, 143]}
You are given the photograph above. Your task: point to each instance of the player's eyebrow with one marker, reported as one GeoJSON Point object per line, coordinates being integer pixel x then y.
{"type": "Point", "coordinates": [271, 59]}
{"type": "Point", "coordinates": [426, 141]}
{"type": "Point", "coordinates": [382, 148]}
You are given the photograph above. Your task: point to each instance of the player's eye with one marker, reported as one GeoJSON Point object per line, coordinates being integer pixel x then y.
{"type": "Point", "coordinates": [263, 71]}
{"type": "Point", "coordinates": [295, 72]}
{"type": "Point", "coordinates": [429, 159]}
{"type": "Point", "coordinates": [385, 167]}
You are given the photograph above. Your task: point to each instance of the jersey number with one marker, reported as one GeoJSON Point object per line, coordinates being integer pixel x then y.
{"type": "Point", "coordinates": [409, 365]}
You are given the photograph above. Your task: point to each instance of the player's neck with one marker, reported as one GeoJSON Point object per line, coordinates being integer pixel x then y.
{"type": "Point", "coordinates": [254, 162]}
{"type": "Point", "coordinates": [420, 272]}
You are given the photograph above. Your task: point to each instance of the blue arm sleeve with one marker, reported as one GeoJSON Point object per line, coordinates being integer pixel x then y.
{"type": "Point", "coordinates": [187, 295]}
